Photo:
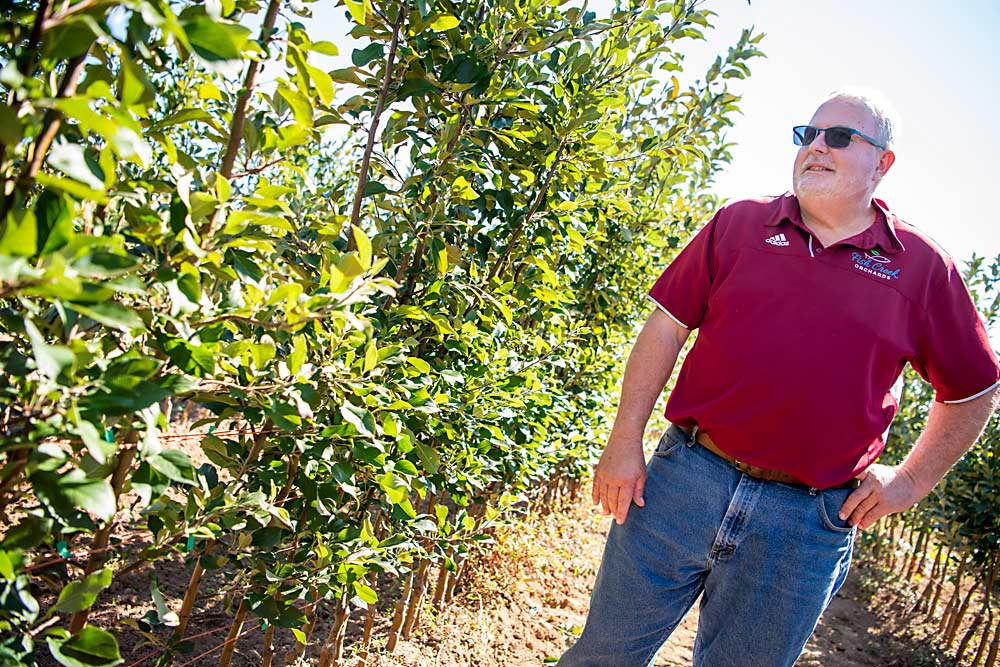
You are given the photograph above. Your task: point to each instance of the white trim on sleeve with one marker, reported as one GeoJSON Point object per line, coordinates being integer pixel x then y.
{"type": "Point", "coordinates": [669, 314]}
{"type": "Point", "coordinates": [975, 396]}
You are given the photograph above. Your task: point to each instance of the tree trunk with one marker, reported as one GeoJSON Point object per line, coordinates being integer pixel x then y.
{"type": "Point", "coordinates": [952, 606]}
{"type": "Point", "coordinates": [991, 658]}
{"type": "Point", "coordinates": [958, 617]}
{"type": "Point", "coordinates": [191, 594]}
{"type": "Point", "coordinates": [99, 547]}
{"type": "Point", "coordinates": [310, 612]}
{"type": "Point", "coordinates": [942, 577]}
{"type": "Point", "coordinates": [267, 654]}
{"type": "Point", "coordinates": [234, 633]}
{"type": "Point", "coordinates": [399, 615]}
{"type": "Point", "coordinates": [333, 647]}
{"type": "Point", "coordinates": [417, 599]}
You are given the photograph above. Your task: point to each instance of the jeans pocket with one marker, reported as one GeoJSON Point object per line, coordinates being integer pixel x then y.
{"type": "Point", "coordinates": [829, 504]}
{"type": "Point", "coordinates": [672, 439]}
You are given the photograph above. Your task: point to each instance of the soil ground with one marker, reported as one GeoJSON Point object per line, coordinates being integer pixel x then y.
{"type": "Point", "coordinates": [529, 599]}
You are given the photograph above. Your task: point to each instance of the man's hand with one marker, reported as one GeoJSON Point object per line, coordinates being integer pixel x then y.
{"type": "Point", "coordinates": [619, 478]}
{"type": "Point", "coordinates": [884, 490]}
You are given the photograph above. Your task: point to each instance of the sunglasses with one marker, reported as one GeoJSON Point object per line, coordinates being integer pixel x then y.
{"type": "Point", "coordinates": [836, 137]}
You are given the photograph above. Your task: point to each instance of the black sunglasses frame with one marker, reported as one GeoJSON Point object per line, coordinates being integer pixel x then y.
{"type": "Point", "coordinates": [837, 140]}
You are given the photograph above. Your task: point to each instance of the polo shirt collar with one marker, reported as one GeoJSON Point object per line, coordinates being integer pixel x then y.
{"type": "Point", "coordinates": [882, 233]}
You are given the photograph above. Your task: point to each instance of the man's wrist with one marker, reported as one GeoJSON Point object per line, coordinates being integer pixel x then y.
{"type": "Point", "coordinates": [918, 483]}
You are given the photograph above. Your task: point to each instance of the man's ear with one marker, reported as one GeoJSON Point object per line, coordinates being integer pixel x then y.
{"type": "Point", "coordinates": [884, 163]}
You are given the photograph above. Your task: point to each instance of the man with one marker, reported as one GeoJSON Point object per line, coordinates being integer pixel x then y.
{"type": "Point", "coordinates": [808, 308]}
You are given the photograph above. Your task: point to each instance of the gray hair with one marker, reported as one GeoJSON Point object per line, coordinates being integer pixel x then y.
{"type": "Point", "coordinates": [886, 119]}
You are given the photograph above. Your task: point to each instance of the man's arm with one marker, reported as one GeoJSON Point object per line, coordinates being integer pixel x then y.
{"type": "Point", "coordinates": [621, 473]}
{"type": "Point", "coordinates": [951, 429]}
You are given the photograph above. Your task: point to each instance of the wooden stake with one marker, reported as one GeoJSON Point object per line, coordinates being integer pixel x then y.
{"type": "Point", "coordinates": [267, 654]}
{"type": "Point", "coordinates": [99, 547]}
{"type": "Point", "coordinates": [234, 632]}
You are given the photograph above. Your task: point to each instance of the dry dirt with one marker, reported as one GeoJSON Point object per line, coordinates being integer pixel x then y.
{"type": "Point", "coordinates": [529, 600]}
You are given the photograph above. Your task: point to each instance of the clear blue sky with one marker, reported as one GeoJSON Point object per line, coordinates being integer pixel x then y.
{"type": "Point", "coordinates": [938, 63]}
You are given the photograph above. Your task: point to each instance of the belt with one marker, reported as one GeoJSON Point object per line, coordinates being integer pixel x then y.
{"type": "Point", "coordinates": [703, 439]}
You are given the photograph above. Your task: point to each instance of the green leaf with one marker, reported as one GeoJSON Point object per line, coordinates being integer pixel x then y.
{"type": "Point", "coordinates": [364, 246]}
{"type": "Point", "coordinates": [428, 457]}
{"type": "Point", "coordinates": [415, 87]}
{"type": "Point", "coordinates": [359, 418]}
{"type": "Point", "coordinates": [444, 22]}
{"type": "Point", "coordinates": [299, 104]}
{"type": "Point", "coordinates": [324, 47]}
{"type": "Point", "coordinates": [54, 216]}
{"type": "Point", "coordinates": [64, 493]}
{"type": "Point", "coordinates": [91, 647]}
{"type": "Point", "coordinates": [345, 75]}
{"type": "Point", "coordinates": [190, 358]}
{"type": "Point", "coordinates": [462, 189]}
{"type": "Point", "coordinates": [365, 592]}
{"type": "Point", "coordinates": [71, 187]}
{"type": "Point", "coordinates": [111, 314]}
{"type": "Point", "coordinates": [10, 126]}
{"type": "Point", "coordinates": [70, 38]}
{"type": "Point", "coordinates": [215, 41]}
{"type": "Point", "coordinates": [28, 534]}
{"type": "Point", "coordinates": [374, 188]}
{"type": "Point", "coordinates": [133, 84]}
{"type": "Point", "coordinates": [99, 448]}
{"type": "Point", "coordinates": [103, 264]}
{"type": "Point", "coordinates": [189, 115]}
{"type": "Point", "coordinates": [419, 364]}
{"type": "Point", "coordinates": [51, 360]}
{"type": "Point", "coordinates": [174, 465]}
{"type": "Point", "coordinates": [358, 10]}
{"type": "Point", "coordinates": [79, 595]}
{"type": "Point", "coordinates": [361, 57]}
{"type": "Point", "coordinates": [20, 236]}
{"type": "Point", "coordinates": [163, 613]}
{"type": "Point", "coordinates": [115, 129]}
{"type": "Point", "coordinates": [347, 268]}
{"type": "Point", "coordinates": [71, 160]}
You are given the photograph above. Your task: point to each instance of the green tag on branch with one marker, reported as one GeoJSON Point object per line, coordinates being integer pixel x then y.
{"type": "Point", "coordinates": [63, 550]}
{"type": "Point", "coordinates": [190, 543]}
{"type": "Point", "coordinates": [109, 435]}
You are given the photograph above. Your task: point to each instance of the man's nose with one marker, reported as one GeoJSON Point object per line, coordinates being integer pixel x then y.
{"type": "Point", "coordinates": [819, 143]}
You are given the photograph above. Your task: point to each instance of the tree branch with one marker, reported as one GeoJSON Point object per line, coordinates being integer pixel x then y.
{"type": "Point", "coordinates": [243, 99]}
{"type": "Point", "coordinates": [366, 160]}
{"type": "Point", "coordinates": [50, 127]}
{"type": "Point", "coordinates": [527, 218]}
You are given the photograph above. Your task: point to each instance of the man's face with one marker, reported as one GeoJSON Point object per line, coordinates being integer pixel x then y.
{"type": "Point", "coordinates": [845, 174]}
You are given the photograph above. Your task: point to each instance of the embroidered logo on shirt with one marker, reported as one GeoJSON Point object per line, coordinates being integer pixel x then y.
{"type": "Point", "coordinates": [777, 239]}
{"type": "Point", "coordinates": [874, 264]}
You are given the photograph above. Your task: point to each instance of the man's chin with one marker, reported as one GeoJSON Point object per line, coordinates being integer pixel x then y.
{"type": "Point", "coordinates": [810, 192]}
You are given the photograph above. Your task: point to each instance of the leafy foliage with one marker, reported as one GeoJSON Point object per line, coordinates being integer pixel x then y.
{"type": "Point", "coordinates": [401, 290]}
{"type": "Point", "coordinates": [964, 509]}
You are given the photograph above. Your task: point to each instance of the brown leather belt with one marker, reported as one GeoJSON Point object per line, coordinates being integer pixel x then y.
{"type": "Point", "coordinates": [705, 441]}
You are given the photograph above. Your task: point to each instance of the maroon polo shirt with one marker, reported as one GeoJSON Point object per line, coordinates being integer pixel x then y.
{"type": "Point", "coordinates": [798, 345]}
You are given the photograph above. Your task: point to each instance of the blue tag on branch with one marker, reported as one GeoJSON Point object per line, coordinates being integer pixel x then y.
{"type": "Point", "coordinates": [109, 435]}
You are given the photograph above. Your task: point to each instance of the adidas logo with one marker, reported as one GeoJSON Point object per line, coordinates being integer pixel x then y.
{"type": "Point", "coordinates": [777, 239]}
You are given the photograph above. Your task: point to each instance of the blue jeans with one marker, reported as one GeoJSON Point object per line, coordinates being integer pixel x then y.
{"type": "Point", "coordinates": [767, 558]}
